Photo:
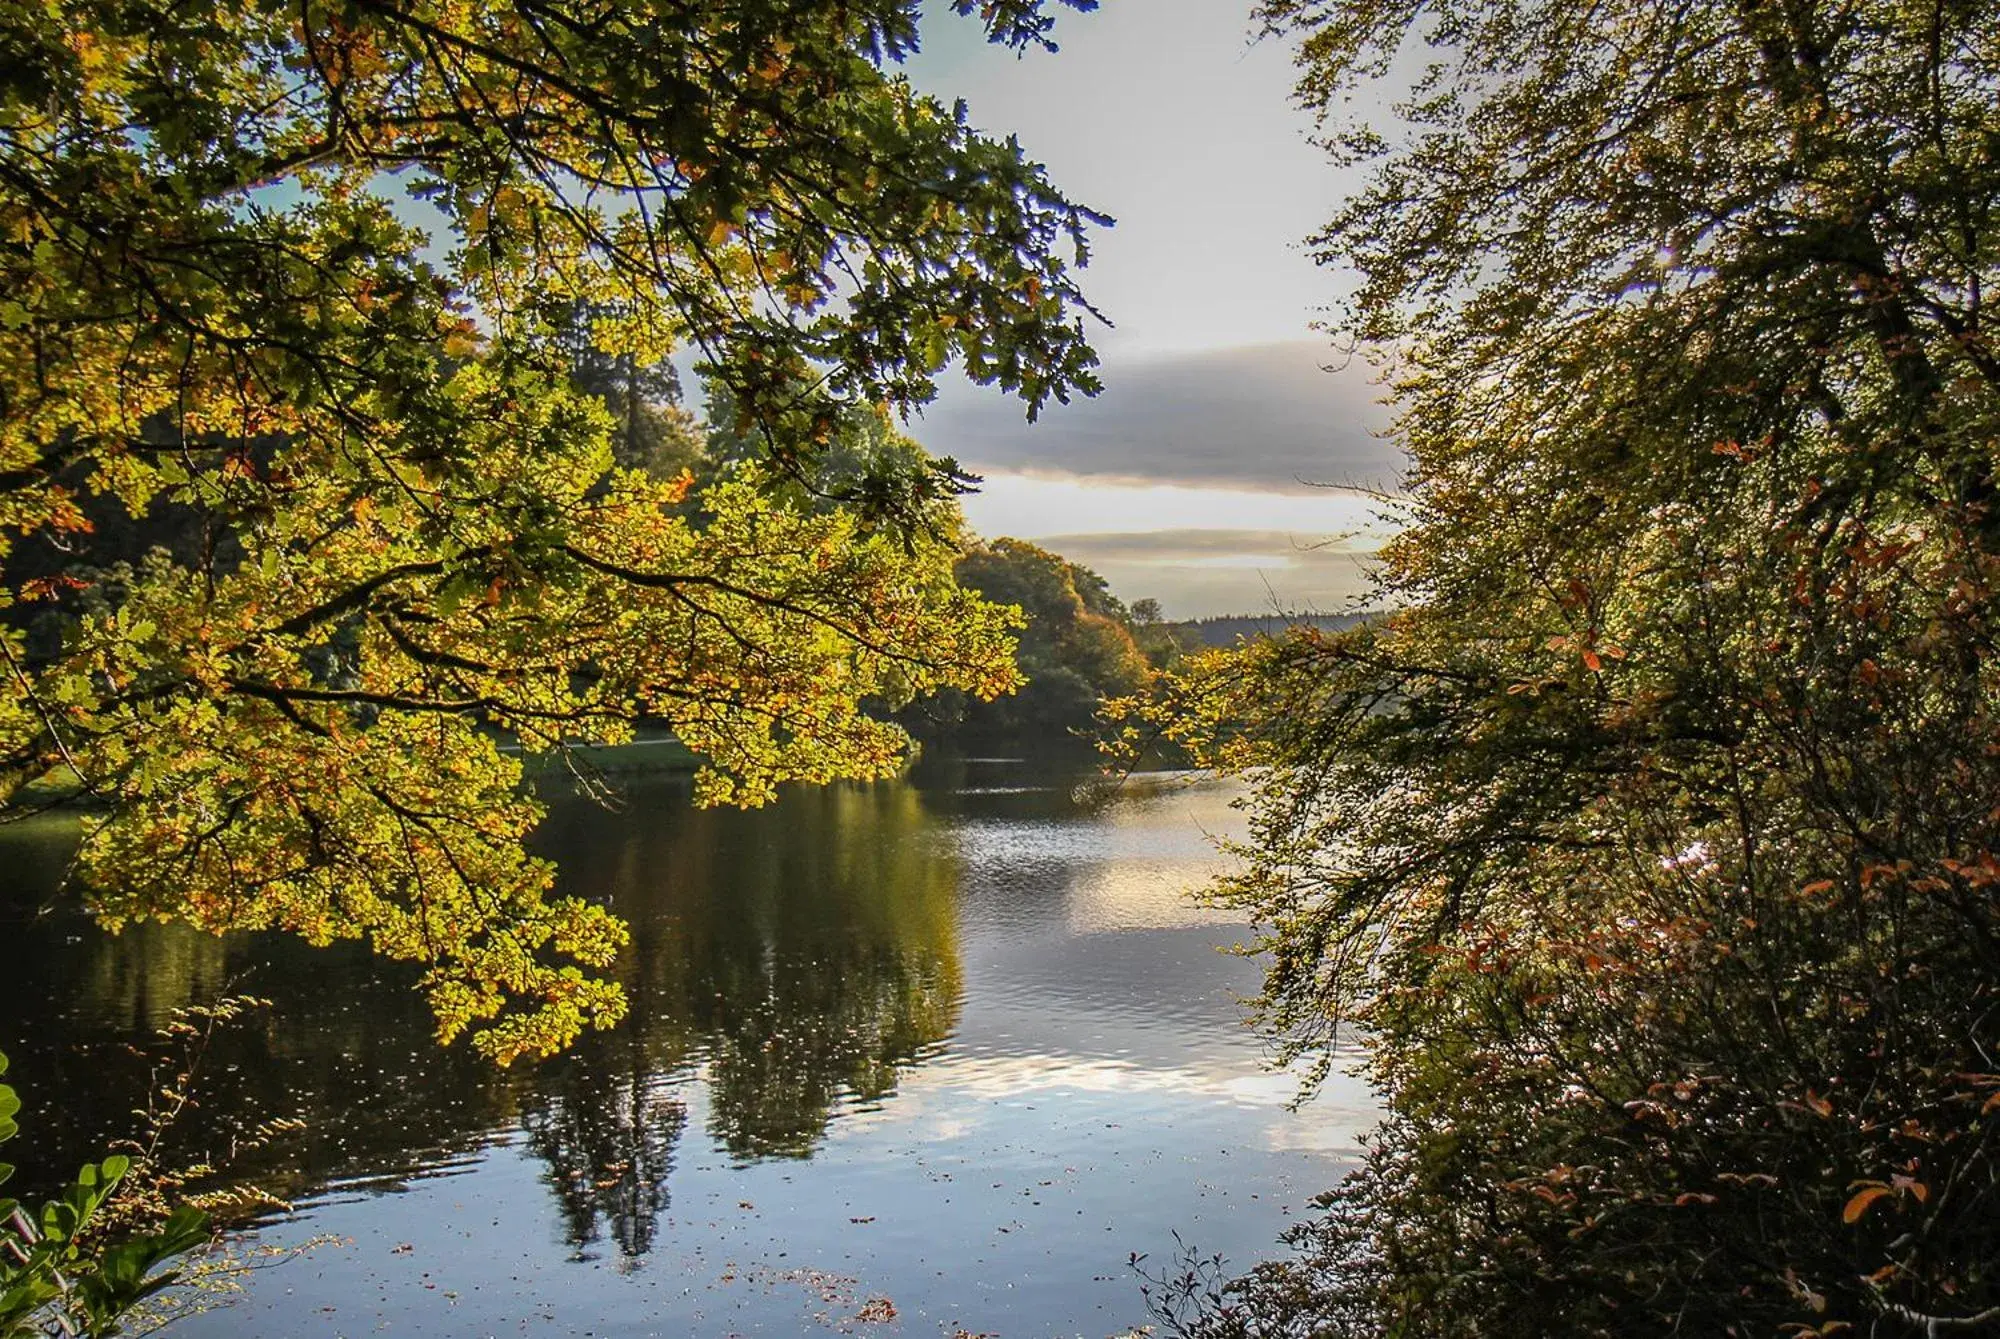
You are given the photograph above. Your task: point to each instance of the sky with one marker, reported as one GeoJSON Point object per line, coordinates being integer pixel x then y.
{"type": "Point", "coordinates": [1213, 473]}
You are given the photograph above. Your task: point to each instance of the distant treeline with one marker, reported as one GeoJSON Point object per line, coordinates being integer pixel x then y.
{"type": "Point", "coordinates": [1081, 644]}
{"type": "Point", "coordinates": [1228, 629]}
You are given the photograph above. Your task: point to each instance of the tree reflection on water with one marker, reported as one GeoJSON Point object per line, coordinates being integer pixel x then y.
{"type": "Point", "coordinates": [794, 960]}
{"type": "Point", "coordinates": [608, 1139]}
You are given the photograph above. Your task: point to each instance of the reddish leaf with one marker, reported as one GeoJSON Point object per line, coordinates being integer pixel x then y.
{"type": "Point", "coordinates": [1859, 1204]}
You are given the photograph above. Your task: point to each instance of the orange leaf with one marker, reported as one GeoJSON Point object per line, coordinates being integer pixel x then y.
{"type": "Point", "coordinates": [1859, 1204]}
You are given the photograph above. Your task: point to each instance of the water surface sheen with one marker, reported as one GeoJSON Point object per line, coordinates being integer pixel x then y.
{"type": "Point", "coordinates": [961, 1043]}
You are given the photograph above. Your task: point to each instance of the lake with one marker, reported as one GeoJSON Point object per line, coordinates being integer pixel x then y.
{"type": "Point", "coordinates": [919, 1058]}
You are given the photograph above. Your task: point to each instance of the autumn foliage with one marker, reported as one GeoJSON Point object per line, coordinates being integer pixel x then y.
{"type": "Point", "coordinates": [1651, 847]}
{"type": "Point", "coordinates": [305, 281]}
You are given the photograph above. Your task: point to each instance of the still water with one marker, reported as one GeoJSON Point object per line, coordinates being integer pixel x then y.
{"type": "Point", "coordinates": [921, 1058]}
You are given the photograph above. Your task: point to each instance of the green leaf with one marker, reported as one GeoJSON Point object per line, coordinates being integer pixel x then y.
{"type": "Point", "coordinates": [562, 597]}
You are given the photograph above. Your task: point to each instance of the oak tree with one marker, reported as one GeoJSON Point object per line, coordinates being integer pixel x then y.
{"type": "Point", "coordinates": [299, 282]}
{"type": "Point", "coordinates": [1652, 839]}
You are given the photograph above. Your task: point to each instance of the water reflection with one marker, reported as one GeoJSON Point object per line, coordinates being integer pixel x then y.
{"type": "Point", "coordinates": [800, 965]}
{"type": "Point", "coordinates": [978, 1004]}
{"type": "Point", "coordinates": [608, 1139]}
{"type": "Point", "coordinates": [347, 1046]}
{"type": "Point", "coordinates": [804, 962]}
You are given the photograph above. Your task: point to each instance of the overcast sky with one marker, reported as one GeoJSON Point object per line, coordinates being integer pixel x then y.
{"type": "Point", "coordinates": [1199, 476]}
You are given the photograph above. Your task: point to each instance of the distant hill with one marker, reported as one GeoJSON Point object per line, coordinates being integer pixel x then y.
{"type": "Point", "coordinates": [1228, 629]}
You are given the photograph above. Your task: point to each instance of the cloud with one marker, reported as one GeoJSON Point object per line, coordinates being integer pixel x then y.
{"type": "Point", "coordinates": [1197, 573]}
{"type": "Point", "coordinates": [1265, 416]}
{"type": "Point", "coordinates": [1194, 546]}
{"type": "Point", "coordinates": [1183, 482]}
{"type": "Point", "coordinates": [1028, 506]}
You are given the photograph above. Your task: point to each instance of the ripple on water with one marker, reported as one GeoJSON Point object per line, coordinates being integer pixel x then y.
{"type": "Point", "coordinates": [961, 1051]}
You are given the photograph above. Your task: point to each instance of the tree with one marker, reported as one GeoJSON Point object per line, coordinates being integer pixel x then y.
{"type": "Point", "coordinates": [651, 430]}
{"type": "Point", "coordinates": [1651, 841]}
{"type": "Point", "coordinates": [1076, 649]}
{"type": "Point", "coordinates": [311, 273]}
{"type": "Point", "coordinates": [863, 463]}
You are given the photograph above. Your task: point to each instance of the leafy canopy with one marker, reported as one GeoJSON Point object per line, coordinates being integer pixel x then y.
{"type": "Point", "coordinates": [1077, 646]}
{"type": "Point", "coordinates": [1652, 839]}
{"type": "Point", "coordinates": [299, 286]}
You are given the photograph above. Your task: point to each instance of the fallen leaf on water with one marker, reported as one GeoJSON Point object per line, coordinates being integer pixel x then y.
{"type": "Point", "coordinates": [876, 1311]}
